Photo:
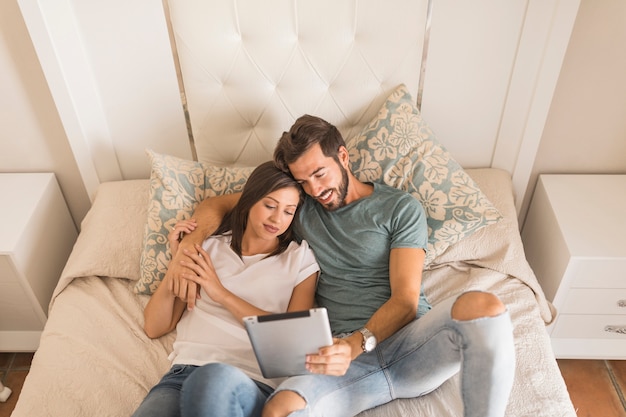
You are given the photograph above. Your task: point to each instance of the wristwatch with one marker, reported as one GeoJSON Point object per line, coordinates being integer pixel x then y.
{"type": "Point", "coordinates": [369, 340]}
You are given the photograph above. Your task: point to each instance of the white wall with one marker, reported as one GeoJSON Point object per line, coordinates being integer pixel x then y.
{"type": "Point", "coordinates": [32, 138]}
{"type": "Point", "coordinates": [588, 107]}
{"type": "Point", "coordinates": [586, 127]}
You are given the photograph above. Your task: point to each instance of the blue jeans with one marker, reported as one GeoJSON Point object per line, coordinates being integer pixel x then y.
{"type": "Point", "coordinates": [215, 389]}
{"type": "Point", "coordinates": [415, 361]}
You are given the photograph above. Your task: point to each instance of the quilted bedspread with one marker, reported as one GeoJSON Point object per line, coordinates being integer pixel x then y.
{"type": "Point", "coordinates": [95, 360]}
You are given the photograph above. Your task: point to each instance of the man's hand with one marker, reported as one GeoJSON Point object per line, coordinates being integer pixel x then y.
{"type": "Point", "coordinates": [334, 359]}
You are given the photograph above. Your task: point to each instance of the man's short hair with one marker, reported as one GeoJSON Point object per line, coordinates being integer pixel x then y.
{"type": "Point", "coordinates": [307, 131]}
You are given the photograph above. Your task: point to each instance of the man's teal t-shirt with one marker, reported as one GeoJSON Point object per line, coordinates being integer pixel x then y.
{"type": "Point", "coordinates": [352, 245]}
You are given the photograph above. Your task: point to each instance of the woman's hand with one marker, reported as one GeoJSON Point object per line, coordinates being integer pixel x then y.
{"type": "Point", "coordinates": [180, 229]}
{"type": "Point", "coordinates": [204, 274]}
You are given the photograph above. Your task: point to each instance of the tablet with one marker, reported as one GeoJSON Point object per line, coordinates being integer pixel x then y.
{"type": "Point", "coordinates": [281, 341]}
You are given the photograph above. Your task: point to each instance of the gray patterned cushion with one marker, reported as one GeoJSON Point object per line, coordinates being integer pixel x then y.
{"type": "Point", "coordinates": [398, 148]}
{"type": "Point", "coordinates": [176, 187]}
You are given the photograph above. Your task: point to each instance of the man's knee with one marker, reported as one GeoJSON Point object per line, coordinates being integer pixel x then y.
{"type": "Point", "coordinates": [283, 403]}
{"type": "Point", "coordinates": [476, 304]}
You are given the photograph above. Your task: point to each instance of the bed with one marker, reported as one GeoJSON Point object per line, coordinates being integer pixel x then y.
{"type": "Point", "coordinates": [94, 358]}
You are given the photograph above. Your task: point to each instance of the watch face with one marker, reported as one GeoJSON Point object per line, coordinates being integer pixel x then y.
{"type": "Point", "coordinates": [370, 343]}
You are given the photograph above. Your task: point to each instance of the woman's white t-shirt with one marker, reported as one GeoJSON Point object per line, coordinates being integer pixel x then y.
{"type": "Point", "coordinates": [210, 333]}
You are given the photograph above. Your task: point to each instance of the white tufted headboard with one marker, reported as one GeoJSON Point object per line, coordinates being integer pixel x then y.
{"type": "Point", "coordinates": [251, 67]}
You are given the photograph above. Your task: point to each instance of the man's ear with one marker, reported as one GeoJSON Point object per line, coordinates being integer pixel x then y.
{"type": "Point", "coordinates": [344, 157]}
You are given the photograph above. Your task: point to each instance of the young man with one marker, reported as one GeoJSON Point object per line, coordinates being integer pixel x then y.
{"type": "Point", "coordinates": [370, 240]}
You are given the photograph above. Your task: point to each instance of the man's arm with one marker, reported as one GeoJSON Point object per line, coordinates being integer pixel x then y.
{"type": "Point", "coordinates": [207, 215]}
{"type": "Point", "coordinates": [405, 276]}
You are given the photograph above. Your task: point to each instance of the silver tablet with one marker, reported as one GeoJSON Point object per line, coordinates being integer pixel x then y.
{"type": "Point", "coordinates": [281, 341]}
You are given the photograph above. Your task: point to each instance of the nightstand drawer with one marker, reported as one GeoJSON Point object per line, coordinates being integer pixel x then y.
{"type": "Point", "coordinates": [595, 301]}
{"type": "Point", "coordinates": [575, 326]}
{"type": "Point", "coordinates": [598, 273]}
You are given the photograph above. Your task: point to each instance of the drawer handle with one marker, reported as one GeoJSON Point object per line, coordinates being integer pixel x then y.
{"type": "Point", "coordinates": [621, 303]}
{"type": "Point", "coordinates": [615, 329]}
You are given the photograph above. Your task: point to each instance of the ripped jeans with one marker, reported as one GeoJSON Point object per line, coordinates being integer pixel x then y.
{"type": "Point", "coordinates": [415, 361]}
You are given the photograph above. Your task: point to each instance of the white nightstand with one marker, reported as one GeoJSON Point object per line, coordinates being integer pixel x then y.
{"type": "Point", "coordinates": [36, 237]}
{"type": "Point", "coordinates": [575, 241]}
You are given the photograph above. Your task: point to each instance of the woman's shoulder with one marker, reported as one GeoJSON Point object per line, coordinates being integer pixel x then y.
{"type": "Point", "coordinates": [302, 254]}
{"type": "Point", "coordinates": [301, 245]}
{"type": "Point", "coordinates": [300, 250]}
{"type": "Point", "coordinates": [218, 240]}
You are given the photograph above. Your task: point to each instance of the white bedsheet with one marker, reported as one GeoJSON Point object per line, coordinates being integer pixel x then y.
{"type": "Point", "coordinates": [95, 360]}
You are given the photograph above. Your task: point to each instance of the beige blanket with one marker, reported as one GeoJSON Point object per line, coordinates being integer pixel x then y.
{"type": "Point", "coordinates": [95, 360]}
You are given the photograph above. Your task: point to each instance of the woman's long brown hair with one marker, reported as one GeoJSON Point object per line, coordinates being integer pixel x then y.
{"type": "Point", "coordinates": [265, 179]}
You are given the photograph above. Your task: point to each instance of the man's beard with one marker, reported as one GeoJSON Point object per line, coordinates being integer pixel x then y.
{"type": "Point", "coordinates": [342, 192]}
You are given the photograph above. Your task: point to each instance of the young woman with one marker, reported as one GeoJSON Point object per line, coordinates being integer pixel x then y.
{"type": "Point", "coordinates": [250, 266]}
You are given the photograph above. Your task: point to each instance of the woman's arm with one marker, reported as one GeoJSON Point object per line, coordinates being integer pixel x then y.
{"type": "Point", "coordinates": [208, 215]}
{"type": "Point", "coordinates": [164, 309]}
{"type": "Point", "coordinates": [204, 275]}
{"type": "Point", "coordinates": [303, 296]}
{"type": "Point", "coordinates": [162, 312]}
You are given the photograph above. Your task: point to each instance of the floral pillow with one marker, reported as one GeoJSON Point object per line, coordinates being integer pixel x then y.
{"type": "Point", "coordinates": [176, 187]}
{"type": "Point", "coordinates": [399, 148]}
